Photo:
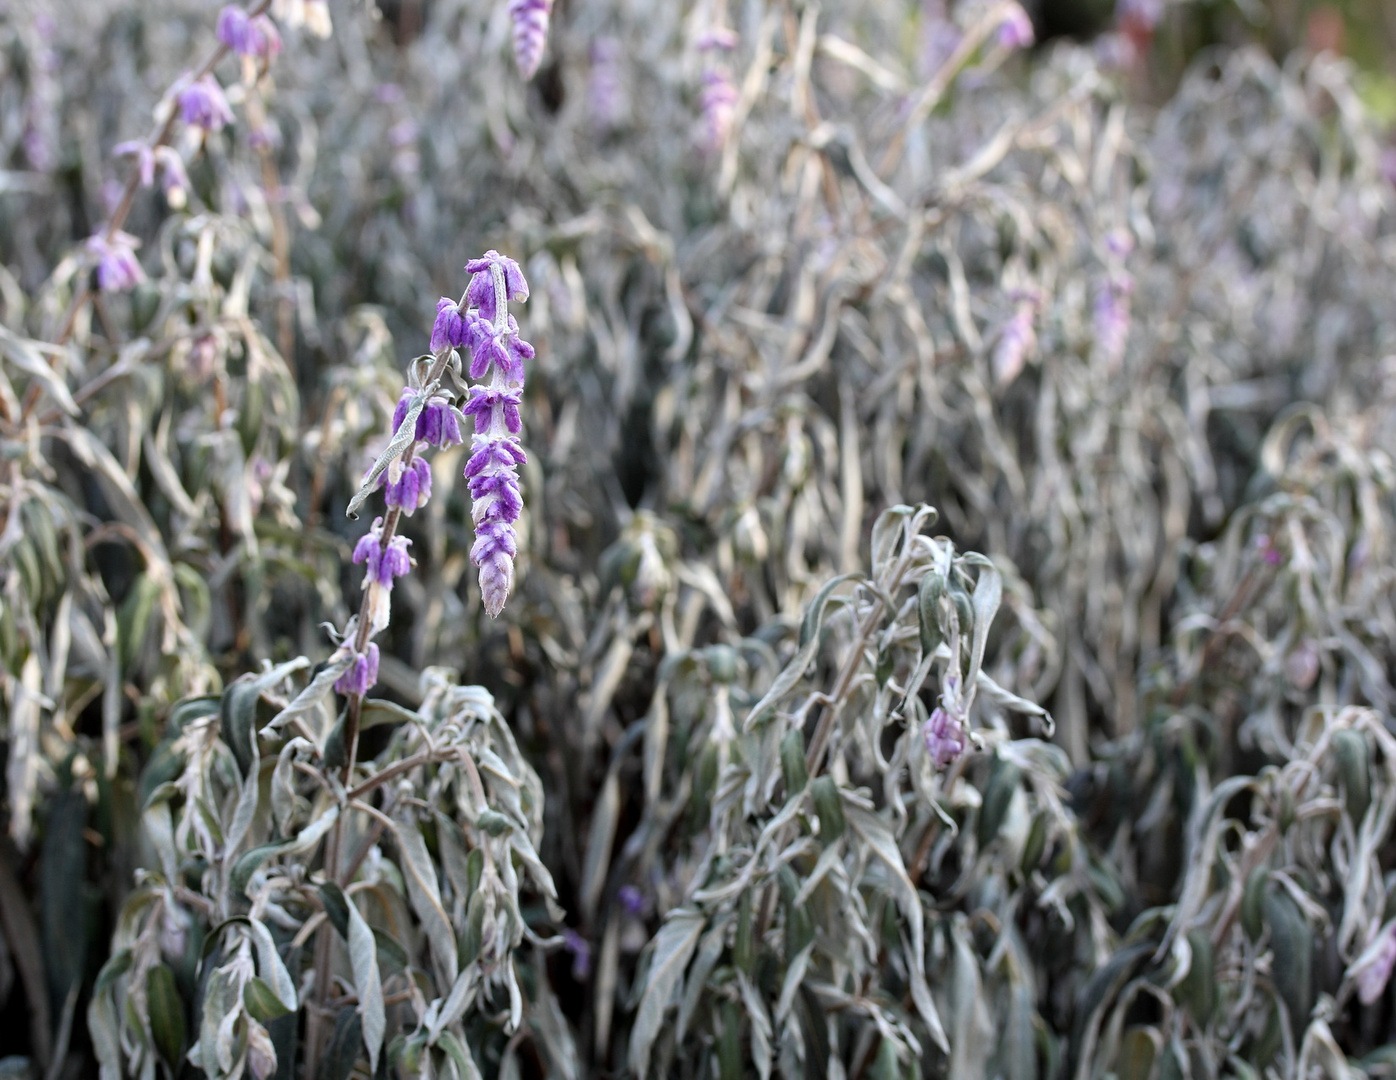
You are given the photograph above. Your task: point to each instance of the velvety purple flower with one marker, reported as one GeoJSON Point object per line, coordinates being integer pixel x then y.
{"type": "Point", "coordinates": [451, 327]}
{"type": "Point", "coordinates": [631, 899]}
{"type": "Point", "coordinates": [436, 423]}
{"type": "Point", "coordinates": [489, 453]}
{"type": "Point", "coordinates": [718, 102]}
{"type": "Point", "coordinates": [483, 403]}
{"type": "Point", "coordinates": [1268, 551]}
{"type": "Point", "coordinates": [118, 269]}
{"type": "Point", "coordinates": [481, 293]}
{"type": "Point", "coordinates": [202, 105]}
{"type": "Point", "coordinates": [945, 737]}
{"type": "Point", "coordinates": [174, 180]}
{"type": "Point", "coordinates": [580, 949]}
{"type": "Point", "coordinates": [361, 674]}
{"type": "Point", "coordinates": [255, 37]}
{"type": "Point", "coordinates": [493, 552]}
{"type": "Point", "coordinates": [384, 564]}
{"type": "Point", "coordinates": [1372, 970]}
{"type": "Point", "coordinates": [1015, 32]}
{"type": "Point", "coordinates": [412, 488]}
{"type": "Point", "coordinates": [491, 343]}
{"type": "Point", "coordinates": [530, 33]}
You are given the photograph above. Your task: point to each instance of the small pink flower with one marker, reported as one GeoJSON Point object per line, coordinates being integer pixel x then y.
{"type": "Point", "coordinates": [1372, 970]}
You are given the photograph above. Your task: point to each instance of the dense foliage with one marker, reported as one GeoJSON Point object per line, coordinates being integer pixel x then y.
{"type": "Point", "coordinates": [765, 766]}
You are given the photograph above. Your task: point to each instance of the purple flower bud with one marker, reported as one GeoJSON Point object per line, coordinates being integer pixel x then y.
{"type": "Point", "coordinates": [631, 899]}
{"type": "Point", "coordinates": [577, 945]}
{"type": "Point", "coordinates": [144, 155]}
{"type": "Point", "coordinates": [202, 105]}
{"type": "Point", "coordinates": [945, 737]}
{"type": "Point", "coordinates": [450, 328]}
{"type": "Point", "coordinates": [174, 181]}
{"type": "Point", "coordinates": [530, 33]}
{"type": "Point", "coordinates": [117, 266]}
{"type": "Point", "coordinates": [718, 102]}
{"type": "Point", "coordinates": [412, 489]}
{"type": "Point", "coordinates": [361, 675]}
{"type": "Point", "coordinates": [1016, 32]}
{"type": "Point", "coordinates": [384, 564]}
{"type": "Point", "coordinates": [480, 292]}
{"type": "Point", "coordinates": [718, 39]}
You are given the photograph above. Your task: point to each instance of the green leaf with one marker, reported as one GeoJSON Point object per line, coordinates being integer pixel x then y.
{"type": "Point", "coordinates": [814, 615]}
{"type": "Point", "coordinates": [1138, 1051]}
{"type": "Point", "coordinates": [1198, 990]}
{"type": "Point", "coordinates": [363, 959]}
{"type": "Point", "coordinates": [928, 596]}
{"type": "Point", "coordinates": [460, 1054]}
{"type": "Point", "coordinates": [1252, 903]}
{"type": "Point", "coordinates": [673, 947]}
{"type": "Point", "coordinates": [1004, 780]}
{"type": "Point", "coordinates": [343, 1051]}
{"type": "Point", "coordinates": [249, 861]}
{"type": "Point", "coordinates": [237, 716]}
{"type": "Point", "coordinates": [828, 804]}
{"type": "Point", "coordinates": [261, 1001]}
{"type": "Point", "coordinates": [133, 620]}
{"type": "Point", "coordinates": [792, 762]}
{"type": "Point", "coordinates": [336, 906]}
{"type": "Point", "coordinates": [1293, 945]}
{"type": "Point", "coordinates": [1350, 748]}
{"type": "Point", "coordinates": [166, 1009]}
{"type": "Point", "coordinates": [115, 967]}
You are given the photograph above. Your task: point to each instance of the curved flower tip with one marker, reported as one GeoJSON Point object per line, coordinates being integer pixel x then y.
{"type": "Point", "coordinates": [451, 328]}
{"type": "Point", "coordinates": [530, 33]}
{"type": "Point", "coordinates": [411, 491]}
{"type": "Point", "coordinates": [718, 101]}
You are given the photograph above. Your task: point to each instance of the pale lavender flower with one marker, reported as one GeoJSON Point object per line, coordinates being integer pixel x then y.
{"type": "Point", "coordinates": [1015, 32]}
{"type": "Point", "coordinates": [939, 37]}
{"type": "Point", "coordinates": [314, 15]}
{"type": "Point", "coordinates": [492, 469]}
{"type": "Point", "coordinates": [174, 180]}
{"type": "Point", "coordinates": [261, 1053]}
{"type": "Point", "coordinates": [718, 102]}
{"type": "Point", "coordinates": [945, 737]}
{"type": "Point", "coordinates": [1017, 342]}
{"type": "Point", "coordinates": [362, 674]}
{"type": "Point", "coordinates": [117, 266]}
{"type": "Point", "coordinates": [411, 490]}
{"type": "Point", "coordinates": [1112, 317]}
{"type": "Point", "coordinates": [202, 105]}
{"type": "Point", "coordinates": [1372, 970]}
{"type": "Point", "coordinates": [605, 87]}
{"type": "Point", "coordinates": [530, 33]}
{"type": "Point", "coordinates": [384, 564]}
{"type": "Point", "coordinates": [1386, 166]}
{"type": "Point", "coordinates": [255, 37]}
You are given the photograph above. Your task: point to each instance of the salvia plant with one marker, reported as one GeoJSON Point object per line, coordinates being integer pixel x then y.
{"type": "Point", "coordinates": [596, 692]}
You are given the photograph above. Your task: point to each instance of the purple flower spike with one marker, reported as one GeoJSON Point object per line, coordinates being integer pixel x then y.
{"type": "Point", "coordinates": [945, 737]}
{"type": "Point", "coordinates": [383, 564]}
{"type": "Point", "coordinates": [117, 266]}
{"type": "Point", "coordinates": [578, 946]}
{"type": "Point", "coordinates": [1112, 317]}
{"type": "Point", "coordinates": [362, 673]}
{"type": "Point", "coordinates": [1017, 343]}
{"type": "Point", "coordinates": [530, 33]}
{"type": "Point", "coordinates": [412, 489]}
{"type": "Point", "coordinates": [202, 105]}
{"type": "Point", "coordinates": [451, 328]}
{"type": "Point", "coordinates": [1016, 32]}
{"type": "Point", "coordinates": [718, 101]}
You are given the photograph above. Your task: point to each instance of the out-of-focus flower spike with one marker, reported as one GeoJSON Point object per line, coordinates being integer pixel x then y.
{"type": "Point", "coordinates": [203, 105]}
{"type": "Point", "coordinates": [530, 33]}
{"type": "Point", "coordinates": [118, 269]}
